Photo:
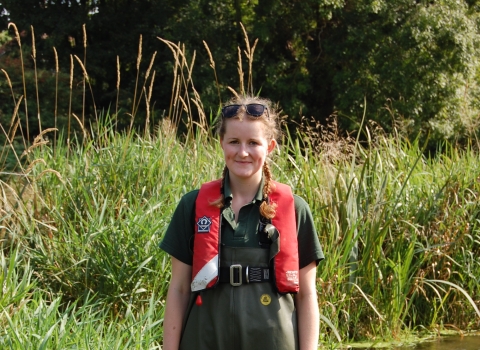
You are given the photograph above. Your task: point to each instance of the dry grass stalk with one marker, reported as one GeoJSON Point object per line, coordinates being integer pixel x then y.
{"type": "Point", "coordinates": [10, 140]}
{"type": "Point", "coordinates": [147, 74]}
{"type": "Point", "coordinates": [81, 125]}
{"type": "Point", "coordinates": [85, 77]}
{"type": "Point", "coordinates": [47, 171]}
{"type": "Point", "coordinates": [32, 147]}
{"type": "Point", "coordinates": [175, 106]}
{"type": "Point", "coordinates": [250, 67]}
{"type": "Point", "coordinates": [71, 72]}
{"type": "Point", "coordinates": [188, 81]}
{"type": "Point", "coordinates": [84, 36]}
{"type": "Point", "coordinates": [118, 90]}
{"type": "Point", "coordinates": [15, 114]}
{"type": "Point", "coordinates": [147, 110]}
{"type": "Point", "coordinates": [85, 74]}
{"type": "Point", "coordinates": [17, 34]}
{"type": "Point", "coordinates": [212, 62]}
{"type": "Point", "coordinates": [185, 107]}
{"type": "Point", "coordinates": [40, 136]}
{"type": "Point", "coordinates": [118, 73]}
{"type": "Point", "coordinates": [249, 54]}
{"type": "Point", "coordinates": [9, 83]}
{"type": "Point", "coordinates": [171, 46]}
{"type": "Point", "coordinates": [245, 36]}
{"type": "Point", "coordinates": [34, 49]}
{"type": "Point", "coordinates": [197, 100]}
{"type": "Point", "coordinates": [203, 119]}
{"type": "Point", "coordinates": [17, 37]}
{"type": "Point", "coordinates": [148, 97]}
{"type": "Point", "coordinates": [33, 163]}
{"type": "Point", "coordinates": [56, 98]}
{"type": "Point", "coordinates": [190, 69]}
{"type": "Point", "coordinates": [139, 60]}
{"type": "Point", "coordinates": [139, 56]}
{"type": "Point", "coordinates": [151, 86]}
{"type": "Point", "coordinates": [14, 128]}
{"type": "Point", "coordinates": [233, 92]}
{"type": "Point", "coordinates": [240, 72]}
{"type": "Point", "coordinates": [212, 65]}
{"type": "Point", "coordinates": [34, 56]}
{"type": "Point", "coordinates": [175, 88]}
{"type": "Point", "coordinates": [14, 123]}
{"type": "Point", "coordinates": [182, 83]}
{"type": "Point", "coordinates": [70, 105]}
{"type": "Point", "coordinates": [181, 60]}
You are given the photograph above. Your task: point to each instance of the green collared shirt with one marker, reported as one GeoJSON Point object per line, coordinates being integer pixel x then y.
{"type": "Point", "coordinates": [244, 231]}
{"type": "Point", "coordinates": [178, 239]}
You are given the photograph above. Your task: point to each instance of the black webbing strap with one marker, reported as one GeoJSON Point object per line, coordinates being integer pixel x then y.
{"type": "Point", "coordinates": [249, 274]}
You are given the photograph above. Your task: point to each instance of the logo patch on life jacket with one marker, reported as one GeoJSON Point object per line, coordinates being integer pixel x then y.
{"type": "Point", "coordinates": [265, 299]}
{"type": "Point", "coordinates": [292, 276]}
{"type": "Point", "coordinates": [204, 224]}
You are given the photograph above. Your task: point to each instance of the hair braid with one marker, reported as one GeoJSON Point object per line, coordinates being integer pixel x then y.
{"type": "Point", "coordinates": [267, 209]}
{"type": "Point", "coordinates": [220, 201]}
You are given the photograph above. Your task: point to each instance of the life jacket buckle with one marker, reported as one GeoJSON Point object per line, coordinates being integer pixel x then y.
{"type": "Point", "coordinates": [236, 275]}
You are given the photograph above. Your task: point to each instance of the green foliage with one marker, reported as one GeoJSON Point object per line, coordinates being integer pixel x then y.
{"type": "Point", "coordinates": [54, 325]}
{"type": "Point", "coordinates": [412, 65]}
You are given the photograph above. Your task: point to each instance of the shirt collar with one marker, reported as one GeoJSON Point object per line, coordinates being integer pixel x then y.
{"type": "Point", "coordinates": [227, 192]}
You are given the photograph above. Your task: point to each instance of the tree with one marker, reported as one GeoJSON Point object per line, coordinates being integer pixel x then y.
{"type": "Point", "coordinates": [412, 65]}
{"type": "Point", "coordinates": [410, 61]}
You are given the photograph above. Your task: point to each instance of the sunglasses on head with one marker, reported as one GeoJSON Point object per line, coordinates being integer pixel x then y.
{"type": "Point", "coordinates": [253, 109]}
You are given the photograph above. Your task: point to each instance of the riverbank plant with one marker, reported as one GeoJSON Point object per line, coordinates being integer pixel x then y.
{"type": "Point", "coordinates": [82, 215]}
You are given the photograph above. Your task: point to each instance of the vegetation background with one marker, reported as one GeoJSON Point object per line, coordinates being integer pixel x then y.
{"type": "Point", "coordinates": [97, 130]}
{"type": "Point", "coordinates": [412, 65]}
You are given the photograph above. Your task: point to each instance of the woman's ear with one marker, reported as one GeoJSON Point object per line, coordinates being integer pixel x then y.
{"type": "Point", "coordinates": [271, 145]}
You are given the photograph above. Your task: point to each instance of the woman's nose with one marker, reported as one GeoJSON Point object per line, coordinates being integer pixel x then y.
{"type": "Point", "coordinates": [243, 150]}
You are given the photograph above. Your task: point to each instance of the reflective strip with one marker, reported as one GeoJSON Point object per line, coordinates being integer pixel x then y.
{"type": "Point", "coordinates": [206, 274]}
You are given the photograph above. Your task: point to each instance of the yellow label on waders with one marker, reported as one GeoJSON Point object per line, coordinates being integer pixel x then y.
{"type": "Point", "coordinates": [265, 299]}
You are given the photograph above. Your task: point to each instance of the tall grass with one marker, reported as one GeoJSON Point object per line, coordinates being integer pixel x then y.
{"type": "Point", "coordinates": [81, 219]}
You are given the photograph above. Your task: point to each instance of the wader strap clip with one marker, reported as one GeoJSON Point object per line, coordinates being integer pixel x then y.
{"type": "Point", "coordinates": [236, 275]}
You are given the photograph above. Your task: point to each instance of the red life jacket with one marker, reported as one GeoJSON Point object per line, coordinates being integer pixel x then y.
{"type": "Point", "coordinates": [206, 246]}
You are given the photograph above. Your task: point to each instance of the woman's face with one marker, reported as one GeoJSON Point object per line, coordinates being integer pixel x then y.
{"type": "Point", "coordinates": [245, 148]}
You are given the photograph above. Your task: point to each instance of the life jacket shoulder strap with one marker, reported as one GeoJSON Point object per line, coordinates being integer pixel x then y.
{"type": "Point", "coordinates": [207, 237]}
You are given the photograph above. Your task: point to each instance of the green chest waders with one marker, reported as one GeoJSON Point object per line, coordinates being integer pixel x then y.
{"type": "Point", "coordinates": [249, 316]}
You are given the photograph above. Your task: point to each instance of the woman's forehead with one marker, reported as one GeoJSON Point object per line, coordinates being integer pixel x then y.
{"type": "Point", "coordinates": [236, 126]}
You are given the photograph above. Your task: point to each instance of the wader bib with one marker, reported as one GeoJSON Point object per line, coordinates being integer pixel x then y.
{"type": "Point", "coordinates": [246, 317]}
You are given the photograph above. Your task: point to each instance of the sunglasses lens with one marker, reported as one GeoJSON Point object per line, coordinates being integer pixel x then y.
{"type": "Point", "coordinates": [230, 111]}
{"type": "Point", "coordinates": [255, 109]}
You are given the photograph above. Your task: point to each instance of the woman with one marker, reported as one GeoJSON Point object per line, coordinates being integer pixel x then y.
{"type": "Point", "coordinates": [244, 249]}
